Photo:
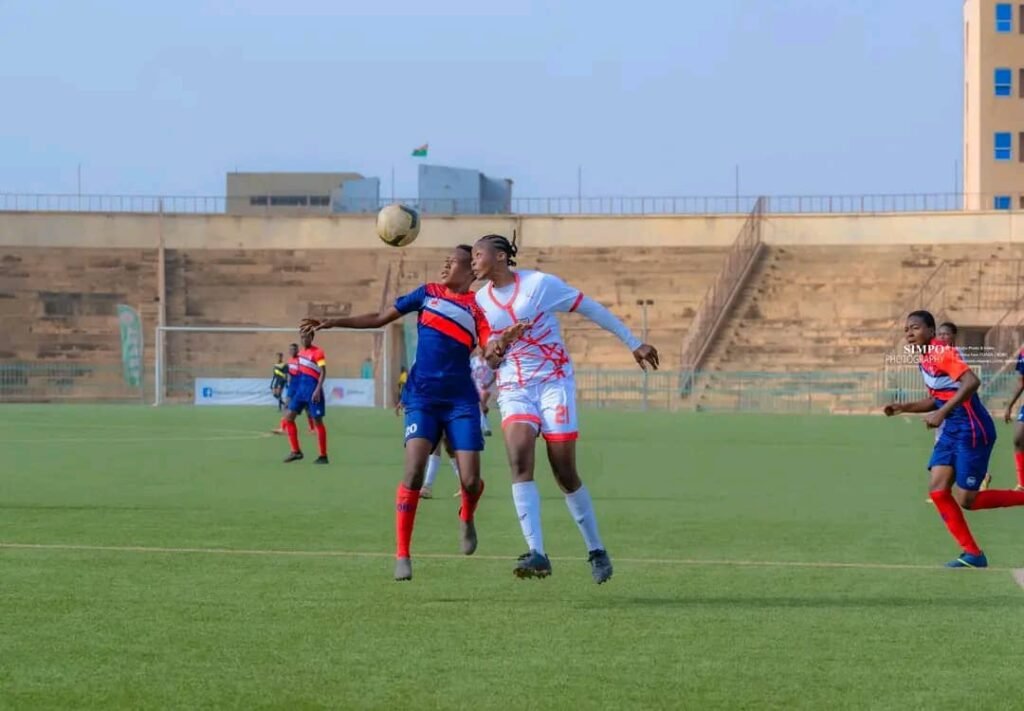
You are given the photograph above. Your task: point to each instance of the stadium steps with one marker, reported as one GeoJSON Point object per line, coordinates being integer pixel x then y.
{"type": "Point", "coordinates": [831, 309]}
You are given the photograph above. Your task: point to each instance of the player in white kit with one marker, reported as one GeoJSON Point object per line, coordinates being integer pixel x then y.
{"type": "Point", "coordinates": [537, 393]}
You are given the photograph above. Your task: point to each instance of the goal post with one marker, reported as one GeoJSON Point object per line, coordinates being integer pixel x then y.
{"type": "Point", "coordinates": [232, 365]}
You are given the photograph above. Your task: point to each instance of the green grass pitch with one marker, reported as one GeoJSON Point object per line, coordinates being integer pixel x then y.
{"type": "Point", "coordinates": [165, 558]}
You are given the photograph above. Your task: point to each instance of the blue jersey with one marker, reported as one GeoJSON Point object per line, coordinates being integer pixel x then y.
{"type": "Point", "coordinates": [450, 327]}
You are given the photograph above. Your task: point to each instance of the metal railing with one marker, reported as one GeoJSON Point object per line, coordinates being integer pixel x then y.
{"type": "Point", "coordinates": [555, 205]}
{"type": "Point", "coordinates": [720, 295]}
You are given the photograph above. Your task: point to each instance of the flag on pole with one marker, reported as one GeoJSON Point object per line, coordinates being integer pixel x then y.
{"type": "Point", "coordinates": [420, 152]}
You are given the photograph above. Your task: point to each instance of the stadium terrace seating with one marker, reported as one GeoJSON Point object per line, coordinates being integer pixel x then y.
{"type": "Point", "coordinates": [836, 309]}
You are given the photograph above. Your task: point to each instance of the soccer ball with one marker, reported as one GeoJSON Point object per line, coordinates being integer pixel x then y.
{"type": "Point", "coordinates": [398, 225]}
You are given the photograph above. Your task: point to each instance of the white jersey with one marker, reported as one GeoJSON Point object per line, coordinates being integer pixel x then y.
{"type": "Point", "coordinates": [539, 356]}
{"type": "Point", "coordinates": [483, 374]}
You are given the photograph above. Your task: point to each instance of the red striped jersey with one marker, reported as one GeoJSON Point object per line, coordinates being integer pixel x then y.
{"type": "Point", "coordinates": [942, 367]}
{"type": "Point", "coordinates": [310, 364]}
{"type": "Point", "coordinates": [450, 326]}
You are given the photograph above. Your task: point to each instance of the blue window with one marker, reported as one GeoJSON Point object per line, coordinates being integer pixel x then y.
{"type": "Point", "coordinates": [1004, 17]}
{"type": "Point", "coordinates": [1001, 202]}
{"type": "Point", "coordinates": [1004, 81]}
{"type": "Point", "coordinates": [1004, 146]}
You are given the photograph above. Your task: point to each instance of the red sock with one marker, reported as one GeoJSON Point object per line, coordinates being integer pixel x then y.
{"type": "Point", "coordinates": [1019, 457]}
{"type": "Point", "coordinates": [283, 421]}
{"type": "Point", "coordinates": [954, 519]}
{"type": "Point", "coordinates": [406, 501]}
{"type": "Point", "coordinates": [293, 435]}
{"type": "Point", "coordinates": [469, 502]}
{"type": "Point", "coordinates": [321, 438]}
{"type": "Point", "coordinates": [997, 499]}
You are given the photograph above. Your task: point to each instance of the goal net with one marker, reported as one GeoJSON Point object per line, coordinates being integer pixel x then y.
{"type": "Point", "coordinates": [233, 365]}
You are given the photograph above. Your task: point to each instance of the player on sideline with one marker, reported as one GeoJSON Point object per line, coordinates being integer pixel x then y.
{"type": "Point", "coordinates": [536, 391]}
{"type": "Point", "coordinates": [966, 436]}
{"type": "Point", "coordinates": [308, 394]}
{"type": "Point", "coordinates": [292, 380]}
{"type": "Point", "coordinates": [439, 395]}
{"type": "Point", "coordinates": [483, 376]}
{"type": "Point", "coordinates": [278, 379]}
{"type": "Point", "coordinates": [1018, 426]}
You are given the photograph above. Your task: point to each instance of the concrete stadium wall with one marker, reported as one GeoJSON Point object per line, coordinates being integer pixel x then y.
{"type": "Point", "coordinates": [126, 230]}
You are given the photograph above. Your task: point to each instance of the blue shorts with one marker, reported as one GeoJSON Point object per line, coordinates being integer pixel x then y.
{"type": "Point", "coordinates": [459, 422]}
{"type": "Point", "coordinates": [969, 463]}
{"type": "Point", "coordinates": [304, 401]}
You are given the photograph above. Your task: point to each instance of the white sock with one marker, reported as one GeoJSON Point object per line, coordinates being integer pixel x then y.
{"type": "Point", "coordinates": [433, 462]}
{"type": "Point", "coordinates": [527, 499]}
{"type": "Point", "coordinates": [582, 509]}
{"type": "Point", "coordinates": [455, 468]}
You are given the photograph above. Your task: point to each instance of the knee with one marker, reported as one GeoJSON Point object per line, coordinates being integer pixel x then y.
{"type": "Point", "coordinates": [413, 478]}
{"type": "Point", "coordinates": [1018, 441]}
{"type": "Point", "coordinates": [964, 498]}
{"type": "Point", "coordinates": [566, 476]}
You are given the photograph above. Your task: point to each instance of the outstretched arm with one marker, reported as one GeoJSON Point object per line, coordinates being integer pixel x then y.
{"type": "Point", "coordinates": [608, 321]}
{"type": "Point", "coordinates": [362, 321]}
{"type": "Point", "coordinates": [644, 354]}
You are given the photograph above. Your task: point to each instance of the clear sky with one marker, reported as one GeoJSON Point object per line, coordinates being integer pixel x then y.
{"type": "Point", "coordinates": [807, 96]}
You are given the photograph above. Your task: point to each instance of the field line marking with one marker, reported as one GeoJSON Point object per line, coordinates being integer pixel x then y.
{"type": "Point", "coordinates": [455, 556]}
{"type": "Point", "coordinates": [117, 440]}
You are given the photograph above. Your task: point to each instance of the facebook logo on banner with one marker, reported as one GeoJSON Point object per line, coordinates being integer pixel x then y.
{"type": "Point", "coordinates": [207, 392]}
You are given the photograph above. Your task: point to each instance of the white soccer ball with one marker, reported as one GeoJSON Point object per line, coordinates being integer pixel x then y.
{"type": "Point", "coordinates": [398, 225]}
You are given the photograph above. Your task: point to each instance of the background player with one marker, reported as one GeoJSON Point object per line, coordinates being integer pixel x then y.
{"type": "Point", "coordinates": [947, 333]}
{"type": "Point", "coordinates": [403, 378]}
{"type": "Point", "coordinates": [278, 380]}
{"type": "Point", "coordinates": [308, 394]}
{"type": "Point", "coordinates": [434, 464]}
{"type": "Point", "coordinates": [967, 435]}
{"type": "Point", "coordinates": [291, 380]}
{"type": "Point", "coordinates": [536, 391]}
{"type": "Point", "coordinates": [484, 377]}
{"type": "Point", "coordinates": [1018, 426]}
{"type": "Point", "coordinates": [438, 396]}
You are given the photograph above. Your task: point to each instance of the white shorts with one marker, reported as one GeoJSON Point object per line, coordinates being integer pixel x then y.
{"type": "Point", "coordinates": [549, 407]}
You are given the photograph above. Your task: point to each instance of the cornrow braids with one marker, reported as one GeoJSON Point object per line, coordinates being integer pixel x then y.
{"type": "Point", "coordinates": [502, 244]}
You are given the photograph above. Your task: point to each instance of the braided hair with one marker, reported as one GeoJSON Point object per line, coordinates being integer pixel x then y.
{"type": "Point", "coordinates": [501, 244]}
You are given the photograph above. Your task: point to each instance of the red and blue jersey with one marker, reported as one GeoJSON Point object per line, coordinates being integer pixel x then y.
{"type": "Point", "coordinates": [942, 367]}
{"type": "Point", "coordinates": [450, 326]}
{"type": "Point", "coordinates": [309, 365]}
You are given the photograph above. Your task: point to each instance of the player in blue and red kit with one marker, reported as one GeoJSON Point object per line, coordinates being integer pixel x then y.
{"type": "Point", "coordinates": [1018, 426]}
{"type": "Point", "coordinates": [967, 435]}
{"type": "Point", "coordinates": [307, 393]}
{"type": "Point", "coordinates": [439, 396]}
{"type": "Point", "coordinates": [290, 381]}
